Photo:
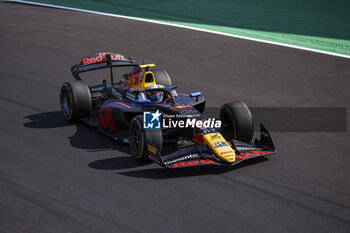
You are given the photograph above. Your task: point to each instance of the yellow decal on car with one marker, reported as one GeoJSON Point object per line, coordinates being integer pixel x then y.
{"type": "Point", "coordinates": [217, 143]}
{"type": "Point", "coordinates": [152, 149]}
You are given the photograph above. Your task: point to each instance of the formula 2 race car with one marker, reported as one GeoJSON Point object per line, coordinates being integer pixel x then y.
{"type": "Point", "coordinates": [133, 109]}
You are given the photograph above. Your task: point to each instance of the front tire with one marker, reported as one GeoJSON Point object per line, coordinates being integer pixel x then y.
{"type": "Point", "coordinates": [139, 138]}
{"type": "Point", "coordinates": [237, 122]}
{"type": "Point", "coordinates": [75, 100]}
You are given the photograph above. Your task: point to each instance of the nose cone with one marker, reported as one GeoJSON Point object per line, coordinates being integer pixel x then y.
{"type": "Point", "coordinates": [217, 143]}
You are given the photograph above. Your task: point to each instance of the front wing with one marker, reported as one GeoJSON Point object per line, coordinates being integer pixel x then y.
{"type": "Point", "coordinates": [194, 155]}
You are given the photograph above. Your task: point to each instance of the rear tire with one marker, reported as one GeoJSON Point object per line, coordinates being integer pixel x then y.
{"type": "Point", "coordinates": [237, 122]}
{"type": "Point", "coordinates": [139, 138]}
{"type": "Point", "coordinates": [162, 77]}
{"type": "Point", "coordinates": [75, 100]}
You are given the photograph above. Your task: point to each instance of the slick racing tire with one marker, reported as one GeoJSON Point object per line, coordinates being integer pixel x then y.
{"type": "Point", "coordinates": [139, 138]}
{"type": "Point", "coordinates": [75, 100]}
{"type": "Point", "coordinates": [236, 122]}
{"type": "Point", "coordinates": [162, 77]}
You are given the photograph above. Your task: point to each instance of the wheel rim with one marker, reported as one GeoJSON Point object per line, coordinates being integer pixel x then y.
{"type": "Point", "coordinates": [66, 103]}
{"type": "Point", "coordinates": [136, 139]}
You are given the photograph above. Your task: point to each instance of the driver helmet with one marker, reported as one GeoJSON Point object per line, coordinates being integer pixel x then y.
{"type": "Point", "coordinates": [155, 96]}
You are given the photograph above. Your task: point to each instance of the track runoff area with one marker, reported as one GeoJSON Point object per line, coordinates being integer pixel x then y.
{"type": "Point", "coordinates": [314, 44]}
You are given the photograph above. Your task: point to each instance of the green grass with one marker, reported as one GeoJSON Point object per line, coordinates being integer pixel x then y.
{"type": "Point", "coordinates": [317, 24]}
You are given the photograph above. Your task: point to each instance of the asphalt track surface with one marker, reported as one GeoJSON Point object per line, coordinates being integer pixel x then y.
{"type": "Point", "coordinates": [60, 177]}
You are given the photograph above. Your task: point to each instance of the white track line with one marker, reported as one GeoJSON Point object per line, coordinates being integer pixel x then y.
{"type": "Point", "coordinates": [181, 26]}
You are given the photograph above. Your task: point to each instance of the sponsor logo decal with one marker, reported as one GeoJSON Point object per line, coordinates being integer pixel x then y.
{"type": "Point", "coordinates": [190, 156]}
{"type": "Point", "coordinates": [193, 163]}
{"type": "Point", "coordinates": [208, 130]}
{"type": "Point", "coordinates": [101, 57]}
{"type": "Point", "coordinates": [224, 148]}
{"type": "Point", "coordinates": [251, 153]}
{"type": "Point", "coordinates": [245, 148]}
{"type": "Point", "coordinates": [215, 137]}
{"type": "Point", "coordinates": [151, 149]}
{"type": "Point", "coordinates": [106, 120]}
{"type": "Point", "coordinates": [226, 152]}
{"type": "Point", "coordinates": [220, 143]}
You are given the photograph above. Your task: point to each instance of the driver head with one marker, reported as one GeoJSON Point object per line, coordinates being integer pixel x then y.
{"type": "Point", "coordinates": [155, 96]}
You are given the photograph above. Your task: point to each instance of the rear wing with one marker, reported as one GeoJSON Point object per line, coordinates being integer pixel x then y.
{"type": "Point", "coordinates": [100, 61]}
